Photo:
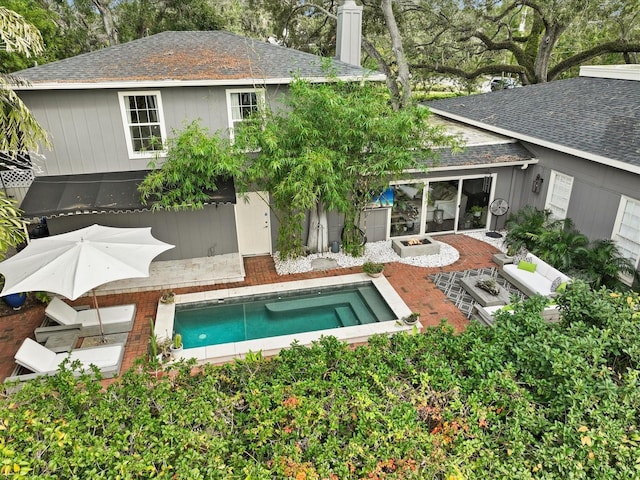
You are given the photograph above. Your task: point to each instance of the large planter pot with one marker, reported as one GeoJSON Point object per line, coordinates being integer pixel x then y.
{"type": "Point", "coordinates": [15, 300]}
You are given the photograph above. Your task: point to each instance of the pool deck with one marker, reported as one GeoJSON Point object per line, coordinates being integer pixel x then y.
{"type": "Point", "coordinates": [412, 284]}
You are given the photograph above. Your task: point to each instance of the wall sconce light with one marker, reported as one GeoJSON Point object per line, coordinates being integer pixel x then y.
{"type": "Point", "coordinates": [537, 183]}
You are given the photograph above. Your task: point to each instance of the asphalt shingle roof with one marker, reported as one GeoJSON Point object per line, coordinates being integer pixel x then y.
{"type": "Point", "coordinates": [493, 154]}
{"type": "Point", "coordinates": [595, 116]}
{"type": "Point", "coordinates": [187, 56]}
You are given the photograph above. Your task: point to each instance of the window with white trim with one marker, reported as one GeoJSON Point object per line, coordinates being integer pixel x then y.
{"type": "Point", "coordinates": [143, 121]}
{"type": "Point", "coordinates": [626, 232]}
{"type": "Point", "coordinates": [241, 104]}
{"type": "Point", "coordinates": [558, 195]}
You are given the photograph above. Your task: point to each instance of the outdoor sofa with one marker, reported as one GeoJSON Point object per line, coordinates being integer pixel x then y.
{"type": "Point", "coordinates": [117, 319]}
{"type": "Point", "coordinates": [42, 361]}
{"type": "Point", "coordinates": [533, 276]}
{"type": "Point", "coordinates": [486, 315]}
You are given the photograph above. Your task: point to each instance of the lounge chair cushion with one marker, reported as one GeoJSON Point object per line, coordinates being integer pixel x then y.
{"type": "Point", "coordinates": [40, 359]}
{"type": "Point", "coordinates": [65, 314]}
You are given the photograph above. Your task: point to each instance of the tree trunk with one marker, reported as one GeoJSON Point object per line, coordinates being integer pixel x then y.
{"type": "Point", "coordinates": [547, 44]}
{"type": "Point", "coordinates": [318, 238]}
{"type": "Point", "coordinates": [107, 19]}
{"type": "Point", "coordinates": [398, 51]}
{"type": "Point", "coordinates": [392, 85]}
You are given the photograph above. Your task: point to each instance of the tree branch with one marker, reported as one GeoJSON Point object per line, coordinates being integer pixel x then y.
{"type": "Point", "coordinates": [617, 46]}
{"type": "Point", "coordinates": [486, 70]}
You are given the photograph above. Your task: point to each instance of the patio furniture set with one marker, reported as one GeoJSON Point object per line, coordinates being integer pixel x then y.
{"type": "Point", "coordinates": [72, 264]}
{"type": "Point", "coordinates": [529, 274]}
{"type": "Point", "coordinates": [56, 343]}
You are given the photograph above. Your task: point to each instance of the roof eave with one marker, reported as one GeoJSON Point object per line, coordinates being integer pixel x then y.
{"type": "Point", "coordinates": [123, 84]}
{"type": "Point", "coordinates": [474, 166]}
{"type": "Point", "coordinates": [543, 143]}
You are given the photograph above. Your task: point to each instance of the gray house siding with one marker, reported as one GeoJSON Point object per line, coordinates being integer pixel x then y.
{"type": "Point", "coordinates": [86, 126]}
{"type": "Point", "coordinates": [195, 233]}
{"type": "Point", "coordinates": [596, 191]}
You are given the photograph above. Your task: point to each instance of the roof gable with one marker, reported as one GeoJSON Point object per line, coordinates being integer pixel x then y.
{"type": "Point", "coordinates": [208, 57]}
{"type": "Point", "coordinates": [594, 118]}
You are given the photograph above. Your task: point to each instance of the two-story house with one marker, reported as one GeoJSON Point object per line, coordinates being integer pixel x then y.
{"type": "Point", "coordinates": [109, 113]}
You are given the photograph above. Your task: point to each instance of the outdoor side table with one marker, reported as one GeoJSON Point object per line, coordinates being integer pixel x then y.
{"type": "Point", "coordinates": [501, 259]}
{"type": "Point", "coordinates": [62, 342]}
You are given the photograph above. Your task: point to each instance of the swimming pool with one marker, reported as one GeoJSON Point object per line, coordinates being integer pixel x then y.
{"type": "Point", "coordinates": [283, 313]}
{"type": "Point", "coordinates": [343, 326]}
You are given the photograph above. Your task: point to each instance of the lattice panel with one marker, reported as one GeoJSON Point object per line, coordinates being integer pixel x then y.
{"type": "Point", "coordinates": [17, 178]}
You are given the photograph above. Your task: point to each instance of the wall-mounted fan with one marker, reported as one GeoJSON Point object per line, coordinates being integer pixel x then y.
{"type": "Point", "coordinates": [498, 208]}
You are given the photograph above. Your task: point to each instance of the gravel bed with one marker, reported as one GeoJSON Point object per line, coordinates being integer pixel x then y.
{"type": "Point", "coordinates": [380, 252]}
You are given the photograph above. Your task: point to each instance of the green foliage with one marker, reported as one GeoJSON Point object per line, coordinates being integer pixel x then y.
{"type": "Point", "coordinates": [20, 130]}
{"type": "Point", "coordinates": [525, 399]}
{"type": "Point", "coordinates": [335, 145]}
{"type": "Point", "coordinates": [12, 225]}
{"type": "Point", "coordinates": [187, 178]}
{"type": "Point", "coordinates": [372, 267]}
{"type": "Point", "coordinates": [602, 265]}
{"type": "Point", "coordinates": [524, 226]}
{"type": "Point", "coordinates": [561, 245]}
{"type": "Point", "coordinates": [557, 242]}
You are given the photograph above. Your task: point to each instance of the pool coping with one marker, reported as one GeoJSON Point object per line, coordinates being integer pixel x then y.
{"type": "Point", "coordinates": [273, 345]}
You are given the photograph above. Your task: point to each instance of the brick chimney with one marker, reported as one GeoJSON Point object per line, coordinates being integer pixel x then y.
{"type": "Point", "coordinates": [349, 34]}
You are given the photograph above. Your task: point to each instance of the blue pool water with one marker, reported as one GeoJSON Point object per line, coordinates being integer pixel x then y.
{"type": "Point", "coordinates": [280, 314]}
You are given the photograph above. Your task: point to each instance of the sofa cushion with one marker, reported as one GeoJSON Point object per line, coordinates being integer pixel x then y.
{"type": "Point", "coordinates": [527, 266]}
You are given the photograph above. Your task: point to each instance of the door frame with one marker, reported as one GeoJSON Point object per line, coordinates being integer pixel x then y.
{"type": "Point", "coordinates": [265, 246]}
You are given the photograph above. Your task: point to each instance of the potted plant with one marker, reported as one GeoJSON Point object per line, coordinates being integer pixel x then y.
{"type": "Point", "coordinates": [476, 211]}
{"type": "Point", "coordinates": [488, 285]}
{"type": "Point", "coordinates": [15, 300]}
{"type": "Point", "coordinates": [158, 350]}
{"type": "Point", "coordinates": [176, 345]}
{"type": "Point", "coordinates": [373, 269]}
{"type": "Point", "coordinates": [412, 318]}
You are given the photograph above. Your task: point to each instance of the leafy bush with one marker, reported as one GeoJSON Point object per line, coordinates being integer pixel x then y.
{"type": "Point", "coordinates": [557, 242]}
{"type": "Point", "coordinates": [525, 399]}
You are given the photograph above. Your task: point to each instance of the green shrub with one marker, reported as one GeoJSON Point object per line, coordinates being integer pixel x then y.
{"type": "Point", "coordinates": [525, 399]}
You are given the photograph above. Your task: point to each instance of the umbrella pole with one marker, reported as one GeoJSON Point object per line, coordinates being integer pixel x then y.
{"type": "Point", "coordinates": [95, 303]}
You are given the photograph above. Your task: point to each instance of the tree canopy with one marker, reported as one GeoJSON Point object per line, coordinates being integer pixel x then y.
{"type": "Point", "coordinates": [333, 147]}
{"type": "Point", "coordinates": [410, 41]}
{"type": "Point", "coordinates": [20, 131]}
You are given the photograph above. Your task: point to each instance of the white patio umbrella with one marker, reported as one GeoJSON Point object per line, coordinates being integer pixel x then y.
{"type": "Point", "coordinates": [71, 264]}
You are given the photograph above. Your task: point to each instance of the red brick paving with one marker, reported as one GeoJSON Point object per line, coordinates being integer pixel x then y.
{"type": "Point", "coordinates": [412, 283]}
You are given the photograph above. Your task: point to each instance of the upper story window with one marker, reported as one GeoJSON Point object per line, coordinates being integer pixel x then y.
{"type": "Point", "coordinates": [143, 123]}
{"type": "Point", "coordinates": [559, 194]}
{"type": "Point", "coordinates": [626, 232]}
{"type": "Point", "coordinates": [241, 104]}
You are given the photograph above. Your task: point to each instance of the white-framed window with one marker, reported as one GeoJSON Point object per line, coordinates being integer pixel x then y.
{"type": "Point", "coordinates": [241, 103]}
{"type": "Point", "coordinates": [626, 232]}
{"type": "Point", "coordinates": [558, 194]}
{"type": "Point", "coordinates": [143, 122]}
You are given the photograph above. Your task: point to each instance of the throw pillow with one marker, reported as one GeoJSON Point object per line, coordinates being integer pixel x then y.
{"type": "Point", "coordinates": [555, 284]}
{"type": "Point", "coordinates": [527, 266]}
{"type": "Point", "coordinates": [520, 255]}
{"type": "Point", "coordinates": [562, 287]}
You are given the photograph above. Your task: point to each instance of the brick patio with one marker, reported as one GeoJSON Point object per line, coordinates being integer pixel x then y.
{"type": "Point", "coordinates": [412, 283]}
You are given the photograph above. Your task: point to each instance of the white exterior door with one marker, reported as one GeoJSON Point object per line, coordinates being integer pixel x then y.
{"type": "Point", "coordinates": [253, 224]}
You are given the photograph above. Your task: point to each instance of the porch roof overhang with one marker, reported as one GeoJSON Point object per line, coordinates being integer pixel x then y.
{"type": "Point", "coordinates": [480, 156]}
{"type": "Point", "coordinates": [109, 192]}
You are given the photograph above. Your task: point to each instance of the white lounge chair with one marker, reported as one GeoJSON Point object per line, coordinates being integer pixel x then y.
{"type": "Point", "coordinates": [42, 361]}
{"type": "Point", "coordinates": [118, 319]}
